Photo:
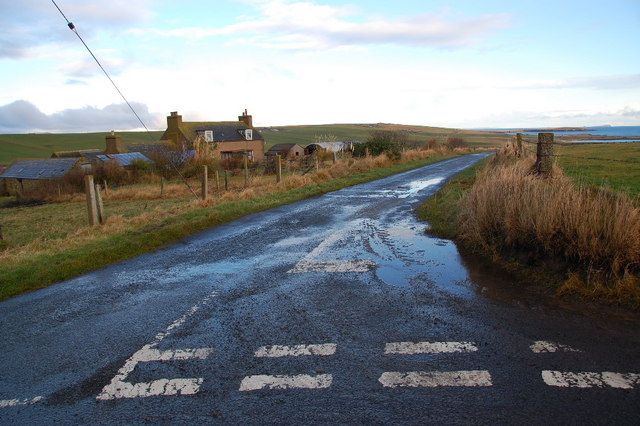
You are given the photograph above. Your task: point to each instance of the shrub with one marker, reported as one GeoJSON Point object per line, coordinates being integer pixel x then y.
{"type": "Point", "coordinates": [454, 142]}
{"type": "Point", "coordinates": [389, 142]}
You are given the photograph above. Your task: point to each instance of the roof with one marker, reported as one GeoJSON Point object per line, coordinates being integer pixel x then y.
{"type": "Point", "coordinates": [126, 159]}
{"type": "Point", "coordinates": [225, 131]}
{"type": "Point", "coordinates": [52, 168]}
{"type": "Point", "coordinates": [75, 154]}
{"type": "Point", "coordinates": [284, 147]}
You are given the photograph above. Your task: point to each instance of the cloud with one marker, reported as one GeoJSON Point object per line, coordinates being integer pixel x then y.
{"type": "Point", "coordinates": [610, 82]}
{"type": "Point", "coordinates": [297, 25]}
{"type": "Point", "coordinates": [24, 117]}
{"type": "Point", "coordinates": [30, 24]}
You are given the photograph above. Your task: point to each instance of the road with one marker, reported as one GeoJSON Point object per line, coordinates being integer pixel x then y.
{"type": "Point", "coordinates": [337, 309]}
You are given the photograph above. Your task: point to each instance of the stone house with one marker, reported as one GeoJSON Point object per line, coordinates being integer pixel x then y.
{"type": "Point", "coordinates": [232, 138]}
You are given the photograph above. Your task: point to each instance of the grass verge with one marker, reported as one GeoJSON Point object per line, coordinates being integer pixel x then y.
{"type": "Point", "coordinates": [577, 240]}
{"type": "Point", "coordinates": [26, 269]}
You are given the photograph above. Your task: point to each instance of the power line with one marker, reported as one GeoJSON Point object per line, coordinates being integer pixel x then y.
{"type": "Point", "coordinates": [73, 28]}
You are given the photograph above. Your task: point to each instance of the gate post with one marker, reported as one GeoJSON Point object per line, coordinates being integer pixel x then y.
{"type": "Point", "coordinates": [544, 160]}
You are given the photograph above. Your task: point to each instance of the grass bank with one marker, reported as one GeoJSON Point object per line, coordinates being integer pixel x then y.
{"type": "Point", "coordinates": [50, 243]}
{"type": "Point", "coordinates": [576, 239]}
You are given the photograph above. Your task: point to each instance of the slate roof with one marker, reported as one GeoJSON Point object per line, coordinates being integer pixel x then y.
{"type": "Point", "coordinates": [52, 168]}
{"type": "Point", "coordinates": [222, 131]}
{"type": "Point", "coordinates": [125, 159]}
{"type": "Point", "coordinates": [283, 147]}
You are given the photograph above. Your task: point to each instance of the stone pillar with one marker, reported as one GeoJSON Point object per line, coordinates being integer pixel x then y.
{"type": "Point", "coordinates": [544, 160]}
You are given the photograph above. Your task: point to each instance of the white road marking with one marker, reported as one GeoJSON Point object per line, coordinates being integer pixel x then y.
{"type": "Point", "coordinates": [276, 351]}
{"type": "Point", "coordinates": [120, 388]}
{"type": "Point", "coordinates": [542, 346]}
{"type": "Point", "coordinates": [302, 381]}
{"type": "Point", "coordinates": [19, 402]}
{"type": "Point", "coordinates": [333, 266]}
{"type": "Point", "coordinates": [410, 348]}
{"type": "Point", "coordinates": [430, 379]}
{"type": "Point", "coordinates": [590, 379]}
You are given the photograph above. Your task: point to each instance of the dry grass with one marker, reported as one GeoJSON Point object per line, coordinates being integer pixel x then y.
{"type": "Point", "coordinates": [594, 230]}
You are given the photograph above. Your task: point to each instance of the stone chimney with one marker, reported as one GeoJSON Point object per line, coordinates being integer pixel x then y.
{"type": "Point", "coordinates": [246, 119]}
{"type": "Point", "coordinates": [114, 144]}
{"type": "Point", "coordinates": [174, 121]}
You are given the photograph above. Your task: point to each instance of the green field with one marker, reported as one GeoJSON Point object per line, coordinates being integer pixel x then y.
{"type": "Point", "coordinates": [34, 146]}
{"type": "Point", "coordinates": [612, 164]}
{"type": "Point", "coordinates": [42, 145]}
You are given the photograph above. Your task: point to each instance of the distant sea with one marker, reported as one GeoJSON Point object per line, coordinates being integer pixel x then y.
{"type": "Point", "coordinates": [621, 131]}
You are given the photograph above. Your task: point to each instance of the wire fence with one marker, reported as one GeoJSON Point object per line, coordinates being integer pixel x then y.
{"type": "Point", "coordinates": [573, 156]}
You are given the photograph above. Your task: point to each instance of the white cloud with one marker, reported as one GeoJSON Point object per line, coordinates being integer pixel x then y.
{"type": "Point", "coordinates": [296, 25]}
{"type": "Point", "coordinates": [22, 116]}
{"type": "Point", "coordinates": [29, 24]}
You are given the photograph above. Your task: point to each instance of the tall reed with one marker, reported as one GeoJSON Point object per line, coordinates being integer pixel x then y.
{"type": "Point", "coordinates": [591, 229]}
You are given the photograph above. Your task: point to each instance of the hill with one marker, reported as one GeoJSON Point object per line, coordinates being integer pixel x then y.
{"type": "Point", "coordinates": [42, 145]}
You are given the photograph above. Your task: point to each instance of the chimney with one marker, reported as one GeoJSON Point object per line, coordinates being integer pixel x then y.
{"type": "Point", "coordinates": [246, 119]}
{"type": "Point", "coordinates": [174, 121]}
{"type": "Point", "coordinates": [114, 144]}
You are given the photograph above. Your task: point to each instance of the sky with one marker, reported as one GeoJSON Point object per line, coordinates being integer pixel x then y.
{"type": "Point", "coordinates": [460, 64]}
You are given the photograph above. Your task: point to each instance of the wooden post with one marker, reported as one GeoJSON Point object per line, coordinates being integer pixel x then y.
{"type": "Point", "coordinates": [317, 163]}
{"type": "Point", "coordinates": [99, 205]}
{"type": "Point", "coordinates": [105, 186]}
{"type": "Point", "coordinates": [544, 160]}
{"type": "Point", "coordinates": [92, 207]}
{"type": "Point", "coordinates": [278, 169]}
{"type": "Point", "coordinates": [226, 181]}
{"type": "Point", "coordinates": [217, 181]}
{"type": "Point", "coordinates": [161, 186]}
{"type": "Point", "coordinates": [205, 183]}
{"type": "Point", "coordinates": [1, 234]}
{"type": "Point", "coordinates": [518, 144]}
{"type": "Point", "coordinates": [335, 157]}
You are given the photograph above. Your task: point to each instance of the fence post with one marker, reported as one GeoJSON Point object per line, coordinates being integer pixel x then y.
{"type": "Point", "coordinates": [161, 186]}
{"type": "Point", "coordinates": [205, 182]}
{"type": "Point", "coordinates": [217, 181]}
{"type": "Point", "coordinates": [226, 181]}
{"type": "Point", "coordinates": [544, 160]}
{"type": "Point", "coordinates": [335, 157]}
{"type": "Point", "coordinates": [92, 207]}
{"type": "Point", "coordinates": [99, 205]}
{"type": "Point", "coordinates": [317, 163]}
{"type": "Point", "coordinates": [278, 168]}
{"type": "Point", "coordinates": [518, 145]}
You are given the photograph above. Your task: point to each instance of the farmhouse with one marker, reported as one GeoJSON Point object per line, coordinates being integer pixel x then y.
{"type": "Point", "coordinates": [286, 150]}
{"type": "Point", "coordinates": [231, 138]}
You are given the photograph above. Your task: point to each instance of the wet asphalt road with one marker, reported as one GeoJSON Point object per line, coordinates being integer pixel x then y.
{"type": "Point", "coordinates": [337, 309]}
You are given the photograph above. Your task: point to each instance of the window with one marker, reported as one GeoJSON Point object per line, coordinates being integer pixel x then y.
{"type": "Point", "coordinates": [248, 134]}
{"type": "Point", "coordinates": [208, 135]}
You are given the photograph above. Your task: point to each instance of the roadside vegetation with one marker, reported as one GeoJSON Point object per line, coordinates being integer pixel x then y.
{"type": "Point", "coordinates": [563, 232]}
{"type": "Point", "coordinates": [46, 243]}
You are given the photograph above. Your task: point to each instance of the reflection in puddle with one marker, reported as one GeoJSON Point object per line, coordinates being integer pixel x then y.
{"type": "Point", "coordinates": [405, 253]}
